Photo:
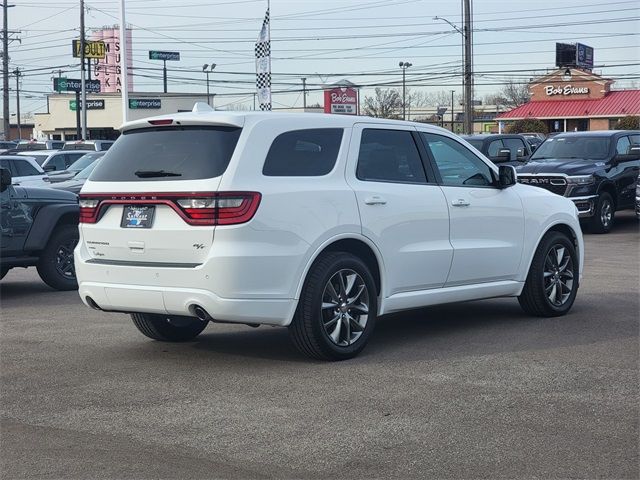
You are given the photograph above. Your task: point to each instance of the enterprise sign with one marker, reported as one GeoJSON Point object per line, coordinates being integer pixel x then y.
{"type": "Point", "coordinates": [62, 84]}
{"type": "Point", "coordinates": [146, 103]}
{"type": "Point", "coordinates": [91, 104]}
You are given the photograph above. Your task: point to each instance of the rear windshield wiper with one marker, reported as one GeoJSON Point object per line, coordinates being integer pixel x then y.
{"type": "Point", "coordinates": [156, 173]}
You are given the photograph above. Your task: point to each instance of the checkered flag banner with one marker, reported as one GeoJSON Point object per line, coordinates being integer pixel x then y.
{"type": "Point", "coordinates": [263, 65]}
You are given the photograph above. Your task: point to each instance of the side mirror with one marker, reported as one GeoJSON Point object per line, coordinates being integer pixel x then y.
{"type": "Point", "coordinates": [504, 154]}
{"type": "Point", "coordinates": [507, 176]}
{"type": "Point", "coordinates": [49, 168]}
{"type": "Point", "coordinates": [634, 152]}
{"type": "Point", "coordinates": [5, 179]}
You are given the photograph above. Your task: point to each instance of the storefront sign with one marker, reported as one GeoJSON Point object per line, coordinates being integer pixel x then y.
{"type": "Point", "coordinates": [566, 90]}
{"type": "Point", "coordinates": [341, 100]}
{"type": "Point", "coordinates": [92, 49]}
{"type": "Point", "coordinates": [146, 103]}
{"type": "Point", "coordinates": [158, 55]}
{"type": "Point", "coordinates": [63, 84]}
{"type": "Point", "coordinates": [91, 104]}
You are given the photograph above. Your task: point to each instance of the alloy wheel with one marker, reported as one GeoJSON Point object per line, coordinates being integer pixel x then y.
{"type": "Point", "coordinates": [558, 275]}
{"type": "Point", "coordinates": [345, 307]}
{"type": "Point", "coordinates": [64, 260]}
{"type": "Point", "coordinates": [606, 213]}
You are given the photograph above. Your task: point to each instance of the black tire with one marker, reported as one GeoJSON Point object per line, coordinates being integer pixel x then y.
{"type": "Point", "coordinates": [3, 272]}
{"type": "Point", "coordinates": [168, 328]}
{"type": "Point", "coordinates": [604, 214]}
{"type": "Point", "coordinates": [535, 296]}
{"type": "Point", "coordinates": [55, 265]}
{"type": "Point", "coordinates": [309, 328]}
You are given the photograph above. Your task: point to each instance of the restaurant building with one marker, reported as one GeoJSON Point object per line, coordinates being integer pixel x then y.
{"type": "Point", "coordinates": [573, 99]}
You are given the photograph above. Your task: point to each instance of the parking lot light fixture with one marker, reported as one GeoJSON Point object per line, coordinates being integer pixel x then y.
{"type": "Point", "coordinates": [207, 69]}
{"type": "Point", "coordinates": [404, 66]}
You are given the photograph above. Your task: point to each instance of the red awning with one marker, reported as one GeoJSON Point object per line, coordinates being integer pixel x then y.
{"type": "Point", "coordinates": [615, 104]}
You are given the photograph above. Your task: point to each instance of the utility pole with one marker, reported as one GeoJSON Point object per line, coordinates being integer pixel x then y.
{"type": "Point", "coordinates": [304, 93]}
{"type": "Point", "coordinates": [453, 118]}
{"type": "Point", "coordinates": [164, 75]}
{"type": "Point", "coordinates": [468, 74]}
{"type": "Point", "coordinates": [5, 71]}
{"type": "Point", "coordinates": [16, 72]}
{"type": "Point", "coordinates": [83, 86]}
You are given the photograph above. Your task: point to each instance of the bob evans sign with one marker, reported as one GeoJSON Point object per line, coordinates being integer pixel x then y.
{"type": "Point", "coordinates": [341, 100]}
{"type": "Point", "coordinates": [566, 90]}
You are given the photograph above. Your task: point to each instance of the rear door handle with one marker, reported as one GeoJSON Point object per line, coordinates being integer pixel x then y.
{"type": "Point", "coordinates": [375, 200]}
{"type": "Point", "coordinates": [460, 203]}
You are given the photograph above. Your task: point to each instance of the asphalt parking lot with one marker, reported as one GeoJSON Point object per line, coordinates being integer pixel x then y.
{"type": "Point", "coordinates": [475, 390]}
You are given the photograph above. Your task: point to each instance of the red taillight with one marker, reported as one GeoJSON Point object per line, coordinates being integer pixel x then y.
{"type": "Point", "coordinates": [88, 209]}
{"type": "Point", "coordinates": [166, 121]}
{"type": "Point", "coordinates": [222, 208]}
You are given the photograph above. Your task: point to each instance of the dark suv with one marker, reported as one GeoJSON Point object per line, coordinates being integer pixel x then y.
{"type": "Point", "coordinates": [39, 227]}
{"type": "Point", "coordinates": [597, 170]}
{"type": "Point", "coordinates": [503, 148]}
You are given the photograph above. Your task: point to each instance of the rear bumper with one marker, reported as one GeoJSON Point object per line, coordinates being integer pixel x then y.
{"type": "Point", "coordinates": [178, 301]}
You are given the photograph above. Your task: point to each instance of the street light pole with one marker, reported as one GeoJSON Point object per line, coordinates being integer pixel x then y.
{"type": "Point", "coordinates": [207, 69]}
{"type": "Point", "coordinates": [404, 66]}
{"type": "Point", "coordinates": [17, 74]}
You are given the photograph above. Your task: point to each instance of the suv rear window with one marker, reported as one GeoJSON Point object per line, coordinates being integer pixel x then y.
{"type": "Point", "coordinates": [303, 153]}
{"type": "Point", "coordinates": [168, 153]}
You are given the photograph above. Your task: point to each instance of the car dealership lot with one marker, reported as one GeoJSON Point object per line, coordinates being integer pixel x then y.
{"type": "Point", "coordinates": [468, 390]}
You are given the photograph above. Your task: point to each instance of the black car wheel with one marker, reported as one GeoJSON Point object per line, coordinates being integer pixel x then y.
{"type": "Point", "coordinates": [604, 214]}
{"type": "Point", "coordinates": [337, 308]}
{"type": "Point", "coordinates": [552, 282]}
{"type": "Point", "coordinates": [55, 266]}
{"type": "Point", "coordinates": [168, 328]}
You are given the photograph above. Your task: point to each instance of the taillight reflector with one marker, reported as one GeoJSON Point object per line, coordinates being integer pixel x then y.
{"type": "Point", "coordinates": [221, 208]}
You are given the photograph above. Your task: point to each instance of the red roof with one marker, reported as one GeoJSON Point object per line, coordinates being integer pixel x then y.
{"type": "Point", "coordinates": [615, 104]}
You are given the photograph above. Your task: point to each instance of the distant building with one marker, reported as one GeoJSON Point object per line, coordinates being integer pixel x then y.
{"type": "Point", "coordinates": [572, 99]}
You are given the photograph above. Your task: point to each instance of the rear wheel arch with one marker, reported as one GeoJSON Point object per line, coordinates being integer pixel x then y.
{"type": "Point", "coordinates": [356, 246]}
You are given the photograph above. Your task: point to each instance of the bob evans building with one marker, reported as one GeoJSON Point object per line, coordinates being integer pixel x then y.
{"type": "Point", "coordinates": [575, 100]}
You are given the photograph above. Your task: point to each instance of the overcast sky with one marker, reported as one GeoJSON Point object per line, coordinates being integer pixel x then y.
{"type": "Point", "coordinates": [326, 41]}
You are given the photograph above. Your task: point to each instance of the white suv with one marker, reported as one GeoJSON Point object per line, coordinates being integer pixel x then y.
{"type": "Point", "coordinates": [321, 223]}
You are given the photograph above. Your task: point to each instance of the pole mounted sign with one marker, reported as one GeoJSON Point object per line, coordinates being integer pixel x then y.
{"type": "Point", "coordinates": [92, 49]}
{"type": "Point", "coordinates": [63, 84]}
{"type": "Point", "coordinates": [341, 100]}
{"type": "Point", "coordinates": [158, 55]}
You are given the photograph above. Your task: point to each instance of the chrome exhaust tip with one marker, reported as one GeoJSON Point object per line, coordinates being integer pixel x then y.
{"type": "Point", "coordinates": [201, 313]}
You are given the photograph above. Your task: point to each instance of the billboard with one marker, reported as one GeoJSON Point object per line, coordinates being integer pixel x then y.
{"type": "Point", "coordinates": [584, 56]}
{"type": "Point", "coordinates": [574, 55]}
{"type": "Point", "coordinates": [91, 49]}
{"type": "Point", "coordinates": [107, 70]}
{"type": "Point", "coordinates": [341, 100]}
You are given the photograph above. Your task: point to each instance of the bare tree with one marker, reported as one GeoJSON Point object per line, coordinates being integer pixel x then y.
{"type": "Point", "coordinates": [514, 94]}
{"type": "Point", "coordinates": [386, 103]}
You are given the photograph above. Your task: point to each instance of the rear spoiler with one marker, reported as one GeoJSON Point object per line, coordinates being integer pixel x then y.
{"type": "Point", "coordinates": [202, 114]}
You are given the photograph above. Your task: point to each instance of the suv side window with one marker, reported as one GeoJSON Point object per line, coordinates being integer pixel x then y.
{"type": "Point", "coordinates": [517, 145]}
{"type": "Point", "coordinates": [25, 169]}
{"type": "Point", "coordinates": [622, 147]}
{"type": "Point", "coordinates": [70, 158]}
{"type": "Point", "coordinates": [389, 156]}
{"type": "Point", "coordinates": [8, 164]}
{"type": "Point", "coordinates": [303, 153]}
{"type": "Point", "coordinates": [494, 147]}
{"type": "Point", "coordinates": [456, 164]}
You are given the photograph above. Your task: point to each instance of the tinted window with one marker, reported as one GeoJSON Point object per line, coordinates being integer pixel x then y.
{"type": "Point", "coordinates": [8, 164]}
{"type": "Point", "coordinates": [25, 169]}
{"type": "Point", "coordinates": [389, 155]}
{"type": "Point", "coordinates": [86, 172]}
{"type": "Point", "coordinates": [456, 164]}
{"type": "Point", "coordinates": [494, 148]}
{"type": "Point", "coordinates": [39, 158]}
{"type": "Point", "coordinates": [70, 158]}
{"type": "Point", "coordinates": [303, 153]}
{"type": "Point", "coordinates": [516, 146]}
{"type": "Point", "coordinates": [169, 153]}
{"type": "Point", "coordinates": [588, 147]}
{"type": "Point", "coordinates": [622, 147]}
{"type": "Point", "coordinates": [57, 162]}
{"type": "Point", "coordinates": [85, 161]}
{"type": "Point", "coordinates": [476, 143]}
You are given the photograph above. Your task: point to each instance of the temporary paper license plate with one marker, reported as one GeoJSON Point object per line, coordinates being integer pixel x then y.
{"type": "Point", "coordinates": [136, 216]}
